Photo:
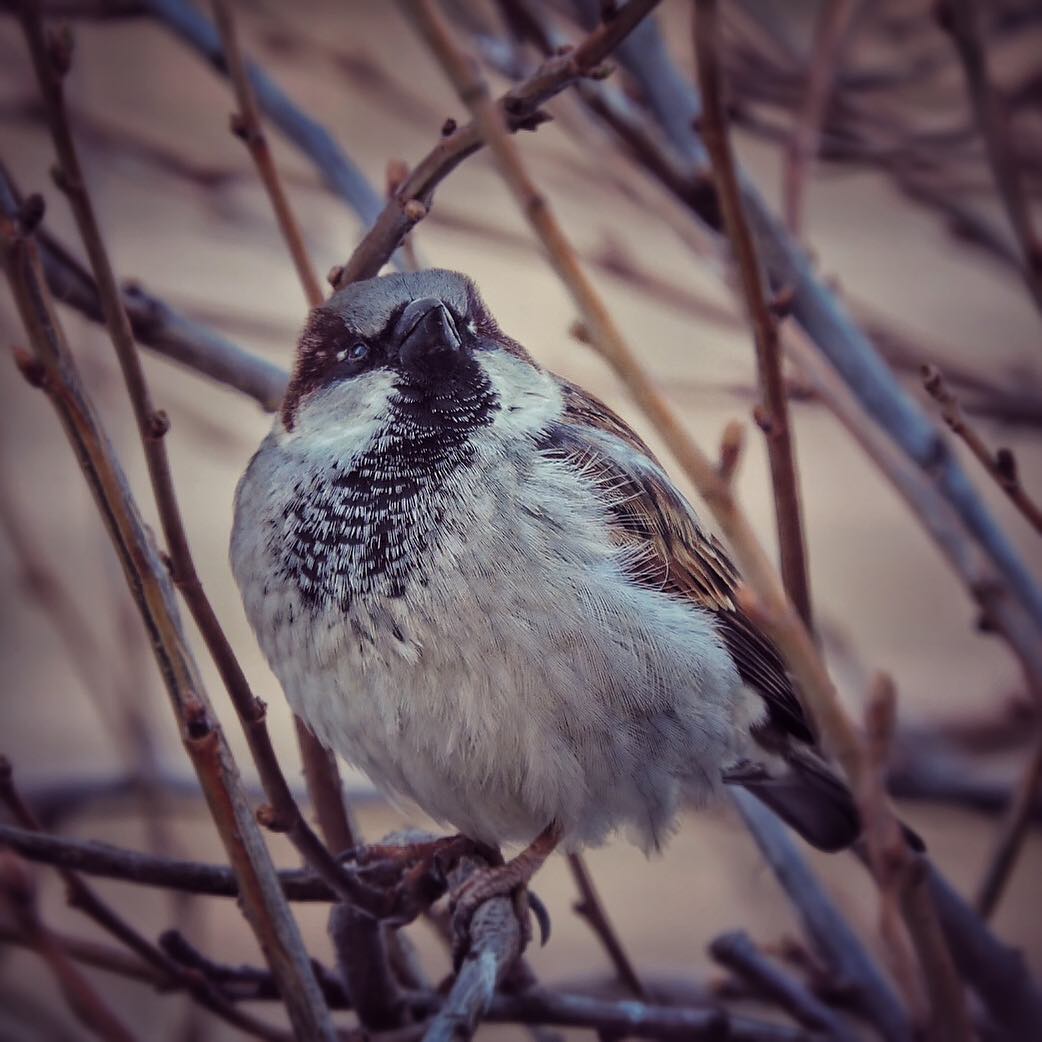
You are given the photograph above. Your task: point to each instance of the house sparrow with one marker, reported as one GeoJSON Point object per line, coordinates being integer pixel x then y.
{"type": "Point", "coordinates": [476, 583]}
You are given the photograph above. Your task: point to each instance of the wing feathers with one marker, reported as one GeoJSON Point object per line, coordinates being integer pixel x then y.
{"type": "Point", "coordinates": [671, 552]}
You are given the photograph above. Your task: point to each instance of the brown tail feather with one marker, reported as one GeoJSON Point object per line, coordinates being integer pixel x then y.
{"type": "Point", "coordinates": [809, 798]}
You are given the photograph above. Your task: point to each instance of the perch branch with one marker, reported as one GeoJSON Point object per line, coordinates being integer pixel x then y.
{"type": "Point", "coordinates": [53, 369]}
{"type": "Point", "coordinates": [773, 415]}
{"type": "Point", "coordinates": [495, 945]}
{"type": "Point", "coordinates": [1001, 465]}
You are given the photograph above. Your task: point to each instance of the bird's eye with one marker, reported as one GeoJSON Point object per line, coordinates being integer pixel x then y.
{"type": "Point", "coordinates": [358, 352]}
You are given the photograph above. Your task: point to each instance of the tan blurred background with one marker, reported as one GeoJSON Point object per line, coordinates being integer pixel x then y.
{"type": "Point", "coordinates": [182, 211]}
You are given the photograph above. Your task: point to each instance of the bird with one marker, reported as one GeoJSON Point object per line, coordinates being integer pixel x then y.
{"type": "Point", "coordinates": [476, 583]}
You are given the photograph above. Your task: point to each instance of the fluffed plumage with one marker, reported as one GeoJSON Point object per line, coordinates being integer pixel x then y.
{"type": "Point", "coordinates": [475, 582]}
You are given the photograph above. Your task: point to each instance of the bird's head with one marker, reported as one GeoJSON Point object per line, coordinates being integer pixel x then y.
{"type": "Point", "coordinates": [419, 349]}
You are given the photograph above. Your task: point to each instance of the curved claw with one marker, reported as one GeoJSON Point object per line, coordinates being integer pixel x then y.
{"type": "Point", "coordinates": [542, 917]}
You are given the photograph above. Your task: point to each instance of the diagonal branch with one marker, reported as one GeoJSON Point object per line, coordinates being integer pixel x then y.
{"type": "Point", "coordinates": [83, 896]}
{"type": "Point", "coordinates": [246, 124]}
{"type": "Point", "coordinates": [520, 108]}
{"type": "Point", "coordinates": [307, 134]}
{"type": "Point", "coordinates": [51, 58]}
{"type": "Point", "coordinates": [53, 369]}
{"type": "Point", "coordinates": [17, 896]}
{"type": "Point", "coordinates": [131, 866]}
{"type": "Point", "coordinates": [1001, 465]}
{"type": "Point", "coordinates": [773, 416]}
{"type": "Point", "coordinates": [1012, 833]}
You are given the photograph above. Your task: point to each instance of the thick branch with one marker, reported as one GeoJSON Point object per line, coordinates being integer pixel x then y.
{"type": "Point", "coordinates": [739, 953]}
{"type": "Point", "coordinates": [824, 923]}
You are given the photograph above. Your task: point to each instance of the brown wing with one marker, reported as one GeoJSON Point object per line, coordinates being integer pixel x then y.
{"type": "Point", "coordinates": [673, 553]}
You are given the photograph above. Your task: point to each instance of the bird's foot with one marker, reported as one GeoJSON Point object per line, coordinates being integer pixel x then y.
{"type": "Point", "coordinates": [411, 876]}
{"type": "Point", "coordinates": [504, 880]}
{"type": "Point", "coordinates": [444, 851]}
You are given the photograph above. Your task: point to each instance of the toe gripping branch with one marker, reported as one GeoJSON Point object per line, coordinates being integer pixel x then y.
{"type": "Point", "coordinates": [405, 877]}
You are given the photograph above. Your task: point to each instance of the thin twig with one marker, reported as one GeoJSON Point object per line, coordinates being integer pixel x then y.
{"type": "Point", "coordinates": [521, 110]}
{"type": "Point", "coordinates": [1012, 833]}
{"type": "Point", "coordinates": [830, 34]}
{"type": "Point", "coordinates": [591, 908]}
{"type": "Point", "coordinates": [773, 415]}
{"type": "Point", "coordinates": [962, 19]}
{"type": "Point", "coordinates": [246, 124]}
{"type": "Point", "coordinates": [53, 369]}
{"type": "Point", "coordinates": [16, 893]}
{"type": "Point", "coordinates": [320, 767]}
{"type": "Point", "coordinates": [900, 873]}
{"type": "Point", "coordinates": [338, 171]}
{"type": "Point", "coordinates": [1001, 465]}
{"type": "Point", "coordinates": [131, 866]}
{"type": "Point", "coordinates": [82, 896]}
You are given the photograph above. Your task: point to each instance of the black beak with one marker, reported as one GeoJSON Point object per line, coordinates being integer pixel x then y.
{"type": "Point", "coordinates": [426, 334]}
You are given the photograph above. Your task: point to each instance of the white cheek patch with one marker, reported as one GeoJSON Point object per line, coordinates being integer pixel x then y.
{"type": "Point", "coordinates": [529, 398]}
{"type": "Point", "coordinates": [342, 419]}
